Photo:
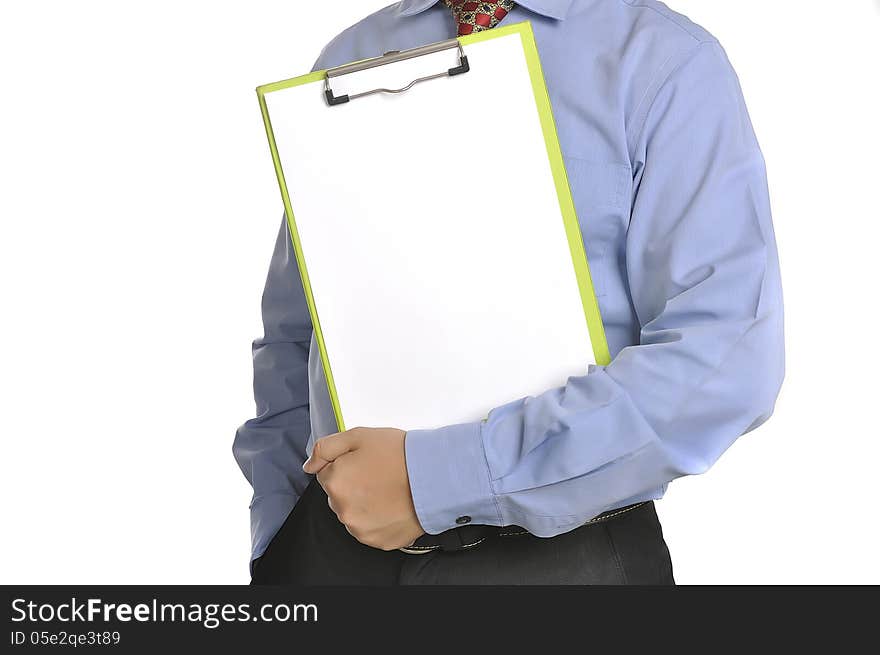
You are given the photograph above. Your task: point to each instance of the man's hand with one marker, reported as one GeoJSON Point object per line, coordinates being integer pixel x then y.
{"type": "Point", "coordinates": [364, 474]}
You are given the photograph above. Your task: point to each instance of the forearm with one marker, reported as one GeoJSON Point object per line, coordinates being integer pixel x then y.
{"type": "Point", "coordinates": [704, 282]}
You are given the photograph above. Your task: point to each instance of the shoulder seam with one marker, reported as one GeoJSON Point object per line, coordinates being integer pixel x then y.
{"type": "Point", "coordinates": [684, 28]}
{"type": "Point", "coordinates": [671, 67]}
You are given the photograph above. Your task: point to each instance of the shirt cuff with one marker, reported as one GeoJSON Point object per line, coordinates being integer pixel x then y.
{"type": "Point", "coordinates": [449, 478]}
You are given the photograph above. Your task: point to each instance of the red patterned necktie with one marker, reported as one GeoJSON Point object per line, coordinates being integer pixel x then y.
{"type": "Point", "coordinates": [478, 16]}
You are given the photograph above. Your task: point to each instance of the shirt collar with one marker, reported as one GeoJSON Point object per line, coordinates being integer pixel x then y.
{"type": "Point", "coordinates": [557, 9]}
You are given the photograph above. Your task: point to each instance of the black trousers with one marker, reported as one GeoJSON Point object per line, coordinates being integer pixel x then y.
{"type": "Point", "coordinates": [314, 548]}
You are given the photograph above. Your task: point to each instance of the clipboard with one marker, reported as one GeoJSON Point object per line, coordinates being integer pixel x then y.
{"type": "Point", "coordinates": [434, 229]}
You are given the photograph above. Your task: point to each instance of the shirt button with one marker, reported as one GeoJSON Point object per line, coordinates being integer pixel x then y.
{"type": "Point", "coordinates": [461, 520]}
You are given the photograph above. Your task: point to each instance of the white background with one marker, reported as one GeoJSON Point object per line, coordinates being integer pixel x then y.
{"type": "Point", "coordinates": [139, 209]}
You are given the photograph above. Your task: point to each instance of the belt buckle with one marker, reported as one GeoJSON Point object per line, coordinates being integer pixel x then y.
{"type": "Point", "coordinates": [418, 551]}
{"type": "Point", "coordinates": [454, 540]}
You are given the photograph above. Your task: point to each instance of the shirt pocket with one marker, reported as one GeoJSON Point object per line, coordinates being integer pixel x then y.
{"type": "Point", "coordinates": [602, 197]}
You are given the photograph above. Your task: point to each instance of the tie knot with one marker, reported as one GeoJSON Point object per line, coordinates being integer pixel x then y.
{"type": "Point", "coordinates": [478, 16]}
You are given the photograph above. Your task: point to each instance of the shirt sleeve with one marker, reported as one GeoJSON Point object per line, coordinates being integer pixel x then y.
{"type": "Point", "coordinates": [271, 448]}
{"type": "Point", "coordinates": [704, 282]}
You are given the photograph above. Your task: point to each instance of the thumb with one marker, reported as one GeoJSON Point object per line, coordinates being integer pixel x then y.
{"type": "Point", "coordinates": [328, 449]}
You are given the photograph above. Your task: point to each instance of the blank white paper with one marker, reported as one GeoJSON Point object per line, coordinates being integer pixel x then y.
{"type": "Point", "coordinates": [433, 239]}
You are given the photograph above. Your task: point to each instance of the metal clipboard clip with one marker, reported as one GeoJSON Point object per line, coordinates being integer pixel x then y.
{"type": "Point", "coordinates": [390, 58]}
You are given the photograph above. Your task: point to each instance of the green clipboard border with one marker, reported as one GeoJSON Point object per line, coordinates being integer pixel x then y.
{"type": "Point", "coordinates": [560, 177]}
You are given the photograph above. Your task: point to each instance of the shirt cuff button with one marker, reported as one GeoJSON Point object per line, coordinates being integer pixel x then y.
{"type": "Point", "coordinates": [462, 520]}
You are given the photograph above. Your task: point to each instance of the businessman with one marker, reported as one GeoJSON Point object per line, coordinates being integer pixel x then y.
{"type": "Point", "coordinates": [670, 189]}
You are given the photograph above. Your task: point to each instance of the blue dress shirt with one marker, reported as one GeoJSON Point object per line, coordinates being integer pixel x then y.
{"type": "Point", "coordinates": [670, 188]}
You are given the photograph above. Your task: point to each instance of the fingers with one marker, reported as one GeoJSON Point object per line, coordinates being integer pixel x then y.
{"type": "Point", "coordinates": [324, 476]}
{"type": "Point", "coordinates": [334, 502]}
{"type": "Point", "coordinates": [314, 464]}
{"type": "Point", "coordinates": [325, 479]}
{"type": "Point", "coordinates": [328, 449]}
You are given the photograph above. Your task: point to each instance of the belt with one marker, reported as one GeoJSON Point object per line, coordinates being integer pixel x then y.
{"type": "Point", "coordinates": [469, 536]}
